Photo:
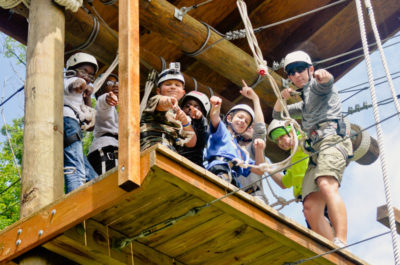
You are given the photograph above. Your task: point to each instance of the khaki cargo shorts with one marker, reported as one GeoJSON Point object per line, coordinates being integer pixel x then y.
{"type": "Point", "coordinates": [329, 162]}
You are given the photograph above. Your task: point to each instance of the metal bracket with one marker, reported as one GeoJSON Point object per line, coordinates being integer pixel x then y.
{"type": "Point", "coordinates": [179, 13]}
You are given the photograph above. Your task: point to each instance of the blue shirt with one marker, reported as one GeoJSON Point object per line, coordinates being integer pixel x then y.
{"type": "Point", "coordinates": [222, 143]}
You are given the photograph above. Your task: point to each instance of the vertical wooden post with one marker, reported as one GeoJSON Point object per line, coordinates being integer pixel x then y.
{"type": "Point", "coordinates": [42, 163]}
{"type": "Point", "coordinates": [129, 131]}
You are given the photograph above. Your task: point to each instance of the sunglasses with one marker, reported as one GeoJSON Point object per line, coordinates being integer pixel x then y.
{"type": "Point", "coordinates": [112, 83]}
{"type": "Point", "coordinates": [297, 69]}
{"type": "Point", "coordinates": [83, 73]}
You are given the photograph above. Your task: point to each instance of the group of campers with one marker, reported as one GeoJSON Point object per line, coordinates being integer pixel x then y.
{"type": "Point", "coordinates": [192, 125]}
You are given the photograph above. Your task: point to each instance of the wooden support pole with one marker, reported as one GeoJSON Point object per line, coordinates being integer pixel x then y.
{"type": "Point", "coordinates": [42, 163]}
{"type": "Point", "coordinates": [129, 129]}
{"type": "Point", "coordinates": [189, 34]}
{"type": "Point", "coordinates": [382, 216]}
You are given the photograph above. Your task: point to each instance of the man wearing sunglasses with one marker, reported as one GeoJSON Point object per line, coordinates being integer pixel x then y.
{"type": "Point", "coordinates": [321, 114]}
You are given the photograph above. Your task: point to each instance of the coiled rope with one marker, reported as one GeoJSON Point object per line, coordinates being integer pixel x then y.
{"type": "Point", "coordinates": [72, 5]}
{"type": "Point", "coordinates": [263, 70]}
{"type": "Point", "coordinates": [8, 4]}
{"type": "Point", "coordinates": [386, 180]}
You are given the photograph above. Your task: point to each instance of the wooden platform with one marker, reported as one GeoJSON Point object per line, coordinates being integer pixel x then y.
{"type": "Point", "coordinates": [238, 229]}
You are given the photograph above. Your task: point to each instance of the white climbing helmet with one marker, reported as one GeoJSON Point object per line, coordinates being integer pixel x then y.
{"type": "Point", "coordinates": [297, 57]}
{"type": "Point", "coordinates": [173, 73]}
{"type": "Point", "coordinates": [244, 107]}
{"type": "Point", "coordinates": [205, 102]}
{"type": "Point", "coordinates": [82, 57]}
{"type": "Point", "coordinates": [275, 124]}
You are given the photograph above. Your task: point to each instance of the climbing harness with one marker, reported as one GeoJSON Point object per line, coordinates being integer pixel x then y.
{"type": "Point", "coordinates": [386, 180]}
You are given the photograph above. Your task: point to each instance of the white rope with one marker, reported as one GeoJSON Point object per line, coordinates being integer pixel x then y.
{"type": "Point", "coordinates": [8, 4]}
{"type": "Point", "coordinates": [386, 180]}
{"type": "Point", "coordinates": [100, 81]}
{"type": "Point", "coordinates": [72, 5]}
{"type": "Point", "coordinates": [263, 70]}
{"type": "Point", "coordinates": [147, 90]}
{"type": "Point", "coordinates": [370, 12]}
{"type": "Point", "coordinates": [279, 200]}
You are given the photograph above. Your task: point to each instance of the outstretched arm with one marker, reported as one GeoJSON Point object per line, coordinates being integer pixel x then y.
{"type": "Point", "coordinates": [215, 111]}
{"type": "Point", "coordinates": [249, 93]}
{"type": "Point", "coordinates": [165, 103]}
{"type": "Point", "coordinates": [259, 145]}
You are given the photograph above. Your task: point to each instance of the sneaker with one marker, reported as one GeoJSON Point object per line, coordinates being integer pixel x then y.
{"type": "Point", "coordinates": [339, 242]}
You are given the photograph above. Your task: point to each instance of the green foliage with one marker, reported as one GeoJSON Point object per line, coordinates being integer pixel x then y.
{"type": "Point", "coordinates": [9, 173]}
{"type": "Point", "coordinates": [12, 48]}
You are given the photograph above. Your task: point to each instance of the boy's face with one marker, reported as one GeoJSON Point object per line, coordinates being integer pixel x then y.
{"type": "Point", "coordinates": [86, 72]}
{"type": "Point", "coordinates": [171, 88]}
{"type": "Point", "coordinates": [240, 121]}
{"type": "Point", "coordinates": [112, 84]}
{"type": "Point", "coordinates": [191, 103]}
{"type": "Point", "coordinates": [285, 142]}
{"type": "Point", "coordinates": [301, 78]}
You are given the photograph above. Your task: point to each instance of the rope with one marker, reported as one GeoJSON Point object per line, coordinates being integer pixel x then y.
{"type": "Point", "coordinates": [91, 38]}
{"type": "Point", "coordinates": [72, 5]}
{"type": "Point", "coordinates": [239, 34]}
{"type": "Point", "coordinates": [100, 81]}
{"type": "Point", "coordinates": [201, 49]}
{"type": "Point", "coordinates": [386, 179]}
{"type": "Point", "coordinates": [335, 250]}
{"type": "Point", "coordinates": [263, 70]}
{"type": "Point", "coordinates": [12, 95]}
{"type": "Point", "coordinates": [103, 21]}
{"type": "Point", "coordinates": [370, 12]}
{"type": "Point", "coordinates": [147, 90]}
{"type": "Point", "coordinates": [8, 4]}
{"type": "Point", "coordinates": [279, 200]}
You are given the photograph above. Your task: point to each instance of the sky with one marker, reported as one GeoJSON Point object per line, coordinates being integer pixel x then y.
{"type": "Point", "coordinates": [362, 187]}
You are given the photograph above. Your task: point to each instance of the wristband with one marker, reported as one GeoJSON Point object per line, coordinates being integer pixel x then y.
{"type": "Point", "coordinates": [186, 125]}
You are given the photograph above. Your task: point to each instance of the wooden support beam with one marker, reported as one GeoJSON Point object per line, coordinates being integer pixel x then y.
{"type": "Point", "coordinates": [91, 243]}
{"type": "Point", "coordinates": [42, 163]}
{"type": "Point", "coordinates": [189, 34]}
{"type": "Point", "coordinates": [78, 28]}
{"type": "Point", "coordinates": [382, 216]}
{"type": "Point", "coordinates": [78, 205]}
{"type": "Point", "coordinates": [129, 99]}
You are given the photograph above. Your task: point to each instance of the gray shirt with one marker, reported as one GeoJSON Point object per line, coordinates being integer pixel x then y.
{"type": "Point", "coordinates": [320, 103]}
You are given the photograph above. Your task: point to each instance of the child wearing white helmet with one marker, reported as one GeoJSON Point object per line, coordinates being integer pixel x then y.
{"type": "Point", "coordinates": [321, 114]}
{"type": "Point", "coordinates": [78, 116]}
{"type": "Point", "coordinates": [196, 105]}
{"type": "Point", "coordinates": [222, 146]}
{"type": "Point", "coordinates": [162, 119]}
{"type": "Point", "coordinates": [103, 152]}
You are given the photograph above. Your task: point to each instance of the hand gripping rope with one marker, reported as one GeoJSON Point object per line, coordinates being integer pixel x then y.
{"type": "Point", "coordinates": [263, 70]}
